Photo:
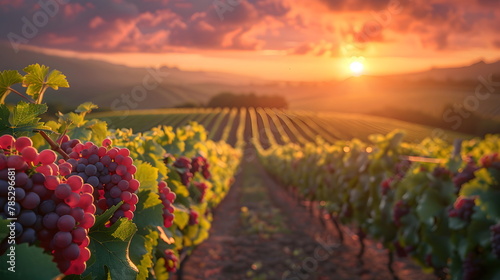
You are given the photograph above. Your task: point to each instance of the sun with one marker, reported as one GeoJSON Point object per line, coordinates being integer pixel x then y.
{"type": "Point", "coordinates": [356, 68]}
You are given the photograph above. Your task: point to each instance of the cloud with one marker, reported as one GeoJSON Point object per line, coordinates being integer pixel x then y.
{"type": "Point", "coordinates": [312, 27]}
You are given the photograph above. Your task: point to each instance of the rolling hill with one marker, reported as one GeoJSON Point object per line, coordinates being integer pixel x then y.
{"type": "Point", "coordinates": [108, 85]}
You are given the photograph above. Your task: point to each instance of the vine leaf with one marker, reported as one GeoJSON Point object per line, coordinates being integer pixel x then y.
{"type": "Point", "coordinates": [30, 263]}
{"type": "Point", "coordinates": [110, 248]}
{"type": "Point", "coordinates": [149, 210]}
{"type": "Point", "coordinates": [141, 252]}
{"type": "Point", "coordinates": [7, 79]}
{"type": "Point", "coordinates": [22, 119]}
{"type": "Point", "coordinates": [147, 175]}
{"type": "Point", "coordinates": [86, 107]}
{"type": "Point", "coordinates": [38, 79]}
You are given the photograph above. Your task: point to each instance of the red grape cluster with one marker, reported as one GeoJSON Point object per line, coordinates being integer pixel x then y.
{"type": "Point", "coordinates": [57, 212]}
{"type": "Point", "coordinates": [400, 210]}
{"type": "Point", "coordinates": [401, 168]}
{"type": "Point", "coordinates": [202, 188]}
{"type": "Point", "coordinates": [187, 168]}
{"type": "Point", "coordinates": [67, 218]}
{"type": "Point", "coordinates": [109, 170]}
{"type": "Point", "coordinates": [171, 260]}
{"type": "Point", "coordinates": [441, 173]}
{"type": "Point", "coordinates": [466, 175]}
{"type": "Point", "coordinates": [471, 267]}
{"type": "Point", "coordinates": [200, 164]}
{"type": "Point", "coordinates": [491, 160]}
{"type": "Point", "coordinates": [495, 239]}
{"type": "Point", "coordinates": [463, 208]}
{"type": "Point", "coordinates": [386, 185]}
{"type": "Point", "coordinates": [167, 197]}
{"type": "Point", "coordinates": [193, 217]}
{"type": "Point", "coordinates": [184, 164]}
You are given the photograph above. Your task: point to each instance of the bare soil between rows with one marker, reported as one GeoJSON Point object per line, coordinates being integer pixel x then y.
{"type": "Point", "coordinates": [285, 241]}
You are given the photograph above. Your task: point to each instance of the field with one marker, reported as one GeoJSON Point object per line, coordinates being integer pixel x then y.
{"type": "Point", "coordinates": [270, 126]}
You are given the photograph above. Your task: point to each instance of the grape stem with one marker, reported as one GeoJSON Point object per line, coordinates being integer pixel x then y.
{"type": "Point", "coordinates": [53, 145]}
{"type": "Point", "coordinates": [20, 94]}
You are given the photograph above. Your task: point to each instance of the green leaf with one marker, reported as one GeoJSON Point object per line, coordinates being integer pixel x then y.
{"type": "Point", "coordinates": [429, 205]}
{"type": "Point", "coordinates": [31, 263]}
{"type": "Point", "coordinates": [4, 230]}
{"type": "Point", "coordinates": [110, 250]}
{"type": "Point", "coordinates": [457, 223]}
{"type": "Point", "coordinates": [147, 176]}
{"type": "Point", "coordinates": [7, 79]}
{"type": "Point", "coordinates": [86, 107]}
{"type": "Point", "coordinates": [4, 118]}
{"type": "Point", "coordinates": [77, 120]}
{"type": "Point", "coordinates": [25, 114]}
{"type": "Point", "coordinates": [38, 78]}
{"type": "Point", "coordinates": [99, 130]}
{"type": "Point", "coordinates": [181, 218]}
{"type": "Point", "coordinates": [149, 210]}
{"type": "Point", "coordinates": [22, 119]}
{"type": "Point", "coordinates": [102, 219]}
{"type": "Point", "coordinates": [141, 252]}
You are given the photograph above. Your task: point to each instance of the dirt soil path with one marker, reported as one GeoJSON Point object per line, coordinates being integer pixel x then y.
{"type": "Point", "coordinates": [261, 232]}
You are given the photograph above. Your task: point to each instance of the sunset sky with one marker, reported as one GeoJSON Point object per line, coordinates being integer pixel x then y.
{"type": "Point", "coordinates": [272, 39]}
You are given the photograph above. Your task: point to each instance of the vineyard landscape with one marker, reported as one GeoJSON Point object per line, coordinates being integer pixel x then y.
{"type": "Point", "coordinates": [223, 140]}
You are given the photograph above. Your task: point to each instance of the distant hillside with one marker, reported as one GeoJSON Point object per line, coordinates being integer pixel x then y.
{"type": "Point", "coordinates": [470, 72]}
{"type": "Point", "coordinates": [108, 85]}
{"type": "Point", "coordinates": [103, 82]}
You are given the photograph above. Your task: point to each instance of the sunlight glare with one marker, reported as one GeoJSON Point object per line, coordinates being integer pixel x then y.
{"type": "Point", "coordinates": [356, 68]}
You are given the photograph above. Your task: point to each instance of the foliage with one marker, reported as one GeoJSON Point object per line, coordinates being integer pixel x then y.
{"type": "Point", "coordinates": [413, 208]}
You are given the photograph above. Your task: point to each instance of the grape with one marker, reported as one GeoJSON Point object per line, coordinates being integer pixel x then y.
{"type": "Point", "coordinates": [72, 252]}
{"type": "Point", "coordinates": [19, 193]}
{"type": "Point", "coordinates": [202, 188]}
{"type": "Point", "coordinates": [471, 267]}
{"type": "Point", "coordinates": [91, 170]}
{"type": "Point", "coordinates": [167, 197]}
{"type": "Point", "coordinates": [18, 229]}
{"type": "Point", "coordinates": [50, 220]}
{"type": "Point", "coordinates": [400, 210]}
{"type": "Point", "coordinates": [23, 142]}
{"type": "Point", "coordinates": [386, 185]}
{"type": "Point", "coordinates": [78, 234]}
{"type": "Point", "coordinates": [47, 206]}
{"type": "Point", "coordinates": [66, 223]}
{"type": "Point", "coordinates": [16, 162]}
{"type": "Point", "coordinates": [171, 260]}
{"type": "Point", "coordinates": [6, 141]}
{"type": "Point", "coordinates": [47, 157]}
{"type": "Point", "coordinates": [27, 218]}
{"type": "Point", "coordinates": [31, 200]}
{"type": "Point", "coordinates": [62, 239]}
{"type": "Point", "coordinates": [193, 217]}
{"type": "Point", "coordinates": [88, 221]}
{"type": "Point", "coordinates": [495, 239]}
{"type": "Point", "coordinates": [466, 175]}
{"type": "Point", "coordinates": [183, 165]}
{"type": "Point", "coordinates": [29, 154]}
{"type": "Point", "coordinates": [21, 179]}
{"type": "Point", "coordinates": [28, 236]}
{"type": "Point", "coordinates": [463, 208]}
{"type": "Point", "coordinates": [77, 213]}
{"type": "Point", "coordinates": [62, 191]}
